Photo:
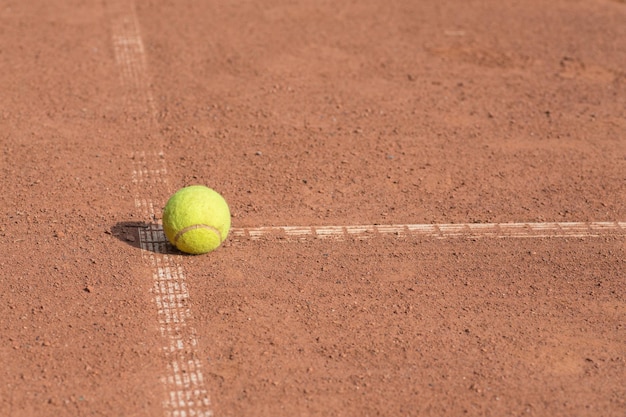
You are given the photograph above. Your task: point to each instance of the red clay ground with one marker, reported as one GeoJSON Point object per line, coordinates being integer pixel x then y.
{"type": "Point", "coordinates": [318, 113]}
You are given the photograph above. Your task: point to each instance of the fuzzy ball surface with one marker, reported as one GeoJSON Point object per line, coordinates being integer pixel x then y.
{"type": "Point", "coordinates": [196, 219]}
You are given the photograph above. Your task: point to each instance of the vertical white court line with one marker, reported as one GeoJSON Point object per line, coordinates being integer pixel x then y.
{"type": "Point", "coordinates": [186, 394]}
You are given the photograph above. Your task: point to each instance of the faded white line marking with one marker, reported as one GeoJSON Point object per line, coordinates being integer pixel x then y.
{"type": "Point", "coordinates": [154, 232]}
{"type": "Point", "coordinates": [442, 231]}
{"type": "Point", "coordinates": [186, 394]}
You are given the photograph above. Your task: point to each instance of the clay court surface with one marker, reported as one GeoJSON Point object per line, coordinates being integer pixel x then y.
{"type": "Point", "coordinates": [317, 116]}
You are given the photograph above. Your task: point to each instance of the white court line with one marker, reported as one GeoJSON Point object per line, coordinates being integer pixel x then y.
{"type": "Point", "coordinates": [154, 233]}
{"type": "Point", "coordinates": [186, 394]}
{"type": "Point", "coordinates": [439, 231]}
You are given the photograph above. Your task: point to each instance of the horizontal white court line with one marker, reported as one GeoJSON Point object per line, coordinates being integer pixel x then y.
{"type": "Point", "coordinates": [153, 237]}
{"type": "Point", "coordinates": [443, 231]}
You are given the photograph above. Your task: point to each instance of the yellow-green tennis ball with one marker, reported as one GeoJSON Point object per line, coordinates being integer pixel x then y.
{"type": "Point", "coordinates": [196, 219]}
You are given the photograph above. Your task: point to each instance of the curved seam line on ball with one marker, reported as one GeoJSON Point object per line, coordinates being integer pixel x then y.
{"type": "Point", "coordinates": [194, 227]}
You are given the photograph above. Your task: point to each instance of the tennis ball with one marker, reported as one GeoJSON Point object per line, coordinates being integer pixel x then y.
{"type": "Point", "coordinates": [196, 219]}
